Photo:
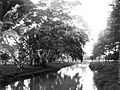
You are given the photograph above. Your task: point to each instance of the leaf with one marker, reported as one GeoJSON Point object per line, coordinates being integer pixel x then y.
{"type": "Point", "coordinates": [1, 25]}
{"type": "Point", "coordinates": [46, 38]}
{"type": "Point", "coordinates": [7, 48]}
{"type": "Point", "coordinates": [1, 39]}
{"type": "Point", "coordinates": [10, 33]}
{"type": "Point", "coordinates": [9, 23]}
{"type": "Point", "coordinates": [23, 29]}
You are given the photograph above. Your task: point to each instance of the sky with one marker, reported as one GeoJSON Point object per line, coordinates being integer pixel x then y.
{"type": "Point", "coordinates": [95, 13]}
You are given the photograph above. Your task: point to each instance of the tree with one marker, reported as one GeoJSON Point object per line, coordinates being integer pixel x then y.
{"type": "Point", "coordinates": [100, 47]}
{"type": "Point", "coordinates": [52, 36]}
{"type": "Point", "coordinates": [115, 26]}
{"type": "Point", "coordinates": [9, 18]}
{"type": "Point", "coordinates": [106, 44]}
{"type": "Point", "coordinates": [4, 57]}
{"type": "Point", "coordinates": [50, 43]}
{"type": "Point", "coordinates": [40, 34]}
{"type": "Point", "coordinates": [112, 37]}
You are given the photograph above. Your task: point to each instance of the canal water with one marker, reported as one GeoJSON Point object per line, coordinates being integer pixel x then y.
{"type": "Point", "coordinates": [76, 77]}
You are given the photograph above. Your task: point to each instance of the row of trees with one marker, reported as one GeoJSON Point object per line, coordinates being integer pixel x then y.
{"type": "Point", "coordinates": [37, 34]}
{"type": "Point", "coordinates": [109, 40]}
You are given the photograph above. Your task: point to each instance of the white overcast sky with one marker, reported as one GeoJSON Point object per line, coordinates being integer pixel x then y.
{"type": "Point", "coordinates": [95, 13]}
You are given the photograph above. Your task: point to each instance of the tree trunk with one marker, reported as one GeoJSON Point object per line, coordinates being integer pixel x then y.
{"type": "Point", "coordinates": [18, 63]}
{"type": "Point", "coordinates": [119, 64]}
{"type": "Point", "coordinates": [1, 9]}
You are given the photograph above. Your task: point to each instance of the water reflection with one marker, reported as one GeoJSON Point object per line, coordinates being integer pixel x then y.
{"type": "Point", "coordinates": [76, 77]}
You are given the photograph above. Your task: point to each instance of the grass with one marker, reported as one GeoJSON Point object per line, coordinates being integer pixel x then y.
{"type": "Point", "coordinates": [11, 72]}
{"type": "Point", "coordinates": [106, 75]}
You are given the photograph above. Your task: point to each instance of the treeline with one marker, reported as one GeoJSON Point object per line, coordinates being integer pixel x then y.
{"type": "Point", "coordinates": [41, 33]}
{"type": "Point", "coordinates": [109, 40]}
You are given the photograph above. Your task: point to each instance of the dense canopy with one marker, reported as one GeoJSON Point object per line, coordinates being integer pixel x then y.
{"type": "Point", "coordinates": [109, 40]}
{"type": "Point", "coordinates": [40, 33]}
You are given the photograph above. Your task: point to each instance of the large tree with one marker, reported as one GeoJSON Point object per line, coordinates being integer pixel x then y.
{"type": "Point", "coordinates": [43, 32]}
{"type": "Point", "coordinates": [52, 36]}
{"type": "Point", "coordinates": [109, 39]}
{"type": "Point", "coordinates": [115, 26]}
{"type": "Point", "coordinates": [12, 11]}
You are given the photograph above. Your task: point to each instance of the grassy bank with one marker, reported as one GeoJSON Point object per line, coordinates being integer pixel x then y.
{"type": "Point", "coordinates": [105, 75]}
{"type": "Point", "coordinates": [10, 72]}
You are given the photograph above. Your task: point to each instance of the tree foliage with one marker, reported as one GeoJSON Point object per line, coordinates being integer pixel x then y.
{"type": "Point", "coordinates": [41, 33]}
{"type": "Point", "coordinates": [53, 36]}
{"type": "Point", "coordinates": [11, 13]}
{"type": "Point", "coordinates": [109, 40]}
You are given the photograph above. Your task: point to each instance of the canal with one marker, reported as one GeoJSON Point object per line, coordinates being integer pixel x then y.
{"type": "Point", "coordinates": [76, 77]}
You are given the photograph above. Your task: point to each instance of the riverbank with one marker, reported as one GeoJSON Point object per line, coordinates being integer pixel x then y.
{"type": "Point", "coordinates": [105, 75]}
{"type": "Point", "coordinates": [11, 73]}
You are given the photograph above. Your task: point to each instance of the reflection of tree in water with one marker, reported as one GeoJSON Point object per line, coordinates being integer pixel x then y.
{"type": "Point", "coordinates": [62, 80]}
{"type": "Point", "coordinates": [20, 85]}
{"type": "Point", "coordinates": [2, 87]}
{"type": "Point", "coordinates": [55, 82]}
